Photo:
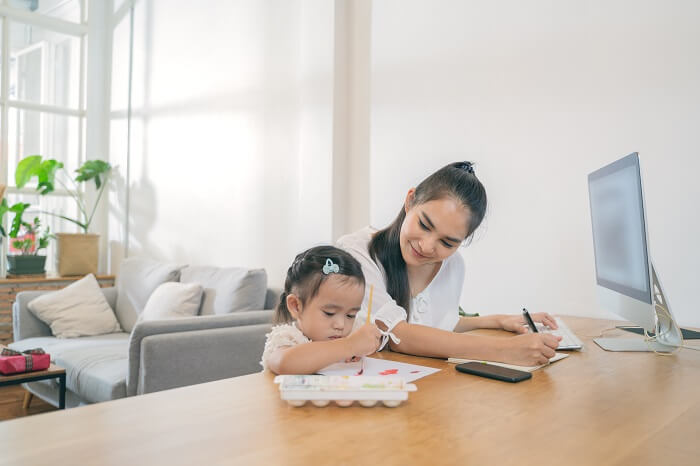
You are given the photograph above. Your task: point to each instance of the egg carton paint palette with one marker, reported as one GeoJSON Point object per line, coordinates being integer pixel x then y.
{"type": "Point", "coordinates": [320, 390]}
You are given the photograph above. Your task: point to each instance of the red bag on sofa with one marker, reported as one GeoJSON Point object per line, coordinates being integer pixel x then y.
{"type": "Point", "coordinates": [14, 362]}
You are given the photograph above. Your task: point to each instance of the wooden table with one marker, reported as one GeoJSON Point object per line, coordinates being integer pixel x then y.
{"type": "Point", "coordinates": [591, 408]}
{"type": "Point", "coordinates": [53, 372]}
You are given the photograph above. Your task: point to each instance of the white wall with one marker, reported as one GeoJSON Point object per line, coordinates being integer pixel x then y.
{"type": "Point", "coordinates": [98, 87]}
{"type": "Point", "coordinates": [257, 123]}
{"type": "Point", "coordinates": [359, 40]}
{"type": "Point", "coordinates": [116, 215]}
{"type": "Point", "coordinates": [232, 138]}
{"type": "Point", "coordinates": [539, 94]}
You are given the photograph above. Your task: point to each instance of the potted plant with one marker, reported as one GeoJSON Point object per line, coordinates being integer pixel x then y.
{"type": "Point", "coordinates": [26, 259]}
{"type": "Point", "coordinates": [76, 253]}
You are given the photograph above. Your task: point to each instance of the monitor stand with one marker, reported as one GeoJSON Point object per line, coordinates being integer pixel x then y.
{"type": "Point", "coordinates": [688, 334]}
{"type": "Point", "coordinates": [631, 344]}
{"type": "Point", "coordinates": [668, 334]}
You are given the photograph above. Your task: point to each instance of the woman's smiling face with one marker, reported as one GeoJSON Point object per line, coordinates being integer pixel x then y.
{"type": "Point", "coordinates": [433, 230]}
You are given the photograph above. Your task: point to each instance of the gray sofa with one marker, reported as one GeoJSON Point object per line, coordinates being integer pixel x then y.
{"type": "Point", "coordinates": [154, 355]}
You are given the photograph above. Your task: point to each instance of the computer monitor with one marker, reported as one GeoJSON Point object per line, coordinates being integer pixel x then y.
{"type": "Point", "coordinates": [627, 281]}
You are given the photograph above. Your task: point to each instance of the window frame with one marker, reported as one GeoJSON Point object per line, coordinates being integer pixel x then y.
{"type": "Point", "coordinates": [79, 30]}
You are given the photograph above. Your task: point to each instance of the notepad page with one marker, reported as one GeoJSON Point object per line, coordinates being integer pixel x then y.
{"type": "Point", "coordinates": [556, 357]}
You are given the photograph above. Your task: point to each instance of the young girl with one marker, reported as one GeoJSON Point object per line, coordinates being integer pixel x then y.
{"type": "Point", "coordinates": [418, 278]}
{"type": "Point", "coordinates": [322, 295]}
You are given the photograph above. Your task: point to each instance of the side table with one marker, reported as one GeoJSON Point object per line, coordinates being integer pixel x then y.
{"type": "Point", "coordinates": [53, 372]}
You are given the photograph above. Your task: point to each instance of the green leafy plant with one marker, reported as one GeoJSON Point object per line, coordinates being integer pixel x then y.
{"type": "Point", "coordinates": [50, 172]}
{"type": "Point", "coordinates": [27, 242]}
{"type": "Point", "coordinates": [462, 313]}
{"type": "Point", "coordinates": [17, 209]}
{"type": "Point", "coordinates": [34, 238]}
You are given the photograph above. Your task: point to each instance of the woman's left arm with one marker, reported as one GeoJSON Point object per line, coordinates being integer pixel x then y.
{"type": "Point", "coordinates": [465, 324]}
{"type": "Point", "coordinates": [511, 322]}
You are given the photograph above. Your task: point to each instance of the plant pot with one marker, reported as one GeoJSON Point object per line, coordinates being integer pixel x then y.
{"type": "Point", "coordinates": [77, 253]}
{"type": "Point", "coordinates": [26, 265]}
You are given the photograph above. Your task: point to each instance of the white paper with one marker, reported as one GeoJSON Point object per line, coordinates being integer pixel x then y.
{"type": "Point", "coordinates": [343, 368]}
{"type": "Point", "coordinates": [379, 367]}
{"type": "Point", "coordinates": [556, 357]}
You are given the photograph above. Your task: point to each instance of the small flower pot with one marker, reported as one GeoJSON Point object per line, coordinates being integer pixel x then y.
{"type": "Point", "coordinates": [26, 265]}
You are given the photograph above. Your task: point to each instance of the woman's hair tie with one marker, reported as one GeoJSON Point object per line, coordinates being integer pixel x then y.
{"type": "Point", "coordinates": [468, 166]}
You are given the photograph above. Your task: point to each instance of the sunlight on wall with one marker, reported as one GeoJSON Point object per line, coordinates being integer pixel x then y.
{"type": "Point", "coordinates": [231, 137]}
{"type": "Point", "coordinates": [207, 181]}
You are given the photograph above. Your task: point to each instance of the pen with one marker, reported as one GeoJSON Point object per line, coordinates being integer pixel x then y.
{"type": "Point", "coordinates": [529, 321]}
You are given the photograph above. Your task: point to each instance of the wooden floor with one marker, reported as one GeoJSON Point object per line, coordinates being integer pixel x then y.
{"type": "Point", "coordinates": [11, 404]}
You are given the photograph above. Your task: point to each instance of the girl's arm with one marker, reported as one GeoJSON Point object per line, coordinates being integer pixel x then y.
{"type": "Point", "coordinates": [311, 357]}
{"type": "Point", "coordinates": [527, 349]}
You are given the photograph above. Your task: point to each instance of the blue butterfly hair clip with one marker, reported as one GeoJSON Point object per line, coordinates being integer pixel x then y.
{"type": "Point", "coordinates": [330, 267]}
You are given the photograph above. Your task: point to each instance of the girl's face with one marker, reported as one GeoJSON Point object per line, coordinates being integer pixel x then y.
{"type": "Point", "coordinates": [331, 313]}
{"type": "Point", "coordinates": [432, 231]}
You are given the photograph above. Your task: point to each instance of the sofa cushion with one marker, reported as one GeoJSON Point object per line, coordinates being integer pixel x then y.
{"type": "Point", "coordinates": [97, 375]}
{"type": "Point", "coordinates": [137, 280]}
{"type": "Point", "coordinates": [96, 366]}
{"type": "Point", "coordinates": [228, 290]}
{"type": "Point", "coordinates": [173, 300]}
{"type": "Point", "coordinates": [80, 309]}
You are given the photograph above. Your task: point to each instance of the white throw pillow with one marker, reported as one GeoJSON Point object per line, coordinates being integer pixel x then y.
{"type": "Point", "coordinates": [173, 300]}
{"type": "Point", "coordinates": [78, 310]}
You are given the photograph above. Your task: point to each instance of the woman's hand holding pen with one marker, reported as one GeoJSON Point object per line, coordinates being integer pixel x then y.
{"type": "Point", "coordinates": [516, 323]}
{"type": "Point", "coordinates": [530, 349]}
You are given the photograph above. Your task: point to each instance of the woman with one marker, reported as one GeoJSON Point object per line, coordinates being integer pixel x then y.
{"type": "Point", "coordinates": [417, 277]}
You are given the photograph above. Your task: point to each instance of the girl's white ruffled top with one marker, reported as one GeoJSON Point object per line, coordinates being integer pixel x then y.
{"type": "Point", "coordinates": [282, 336]}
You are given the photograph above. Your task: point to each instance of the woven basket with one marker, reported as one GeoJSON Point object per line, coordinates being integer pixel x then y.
{"type": "Point", "coordinates": [77, 253]}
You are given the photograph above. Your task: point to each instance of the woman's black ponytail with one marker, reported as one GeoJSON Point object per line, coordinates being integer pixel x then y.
{"type": "Point", "coordinates": [385, 249]}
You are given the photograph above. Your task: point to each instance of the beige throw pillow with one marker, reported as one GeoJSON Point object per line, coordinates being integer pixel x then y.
{"type": "Point", "coordinates": [78, 310]}
{"type": "Point", "coordinates": [173, 300]}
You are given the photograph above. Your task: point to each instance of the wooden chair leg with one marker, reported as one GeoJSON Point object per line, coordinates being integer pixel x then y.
{"type": "Point", "coordinates": [27, 400]}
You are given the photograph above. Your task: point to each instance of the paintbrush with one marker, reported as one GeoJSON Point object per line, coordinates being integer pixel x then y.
{"type": "Point", "coordinates": [369, 304]}
{"type": "Point", "coordinates": [369, 313]}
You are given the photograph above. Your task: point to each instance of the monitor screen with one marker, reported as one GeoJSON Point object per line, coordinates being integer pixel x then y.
{"type": "Point", "coordinates": [619, 231]}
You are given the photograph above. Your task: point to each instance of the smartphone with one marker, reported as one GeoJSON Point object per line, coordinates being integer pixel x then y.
{"type": "Point", "coordinates": [493, 372]}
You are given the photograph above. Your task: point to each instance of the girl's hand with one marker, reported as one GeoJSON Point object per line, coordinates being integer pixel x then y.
{"type": "Point", "coordinates": [530, 349]}
{"type": "Point", "coordinates": [516, 323]}
{"type": "Point", "coordinates": [365, 340]}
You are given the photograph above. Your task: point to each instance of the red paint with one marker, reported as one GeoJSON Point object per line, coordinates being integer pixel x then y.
{"type": "Point", "coordinates": [389, 372]}
{"type": "Point", "coordinates": [414, 372]}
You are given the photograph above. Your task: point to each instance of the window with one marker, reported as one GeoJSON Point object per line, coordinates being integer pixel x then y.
{"type": "Point", "coordinates": [43, 46]}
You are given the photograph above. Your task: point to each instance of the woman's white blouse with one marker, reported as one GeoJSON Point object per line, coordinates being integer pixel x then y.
{"type": "Point", "coordinates": [436, 306]}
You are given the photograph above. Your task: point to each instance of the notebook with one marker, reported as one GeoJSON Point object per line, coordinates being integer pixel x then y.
{"type": "Point", "coordinates": [557, 357]}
